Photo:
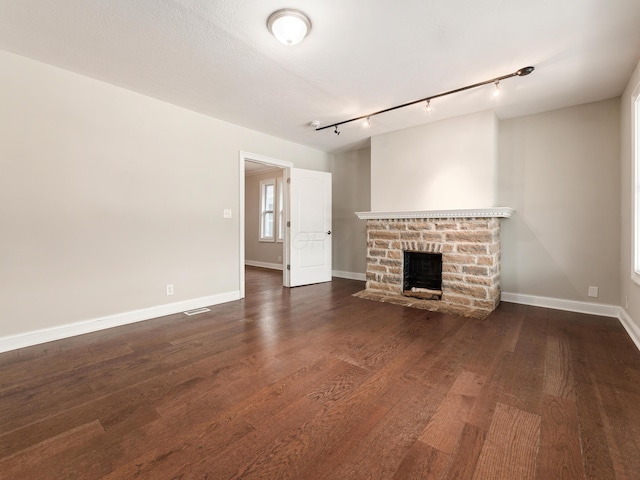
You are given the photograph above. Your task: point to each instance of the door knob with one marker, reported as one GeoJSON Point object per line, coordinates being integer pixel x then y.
{"type": "Point", "coordinates": [329, 232]}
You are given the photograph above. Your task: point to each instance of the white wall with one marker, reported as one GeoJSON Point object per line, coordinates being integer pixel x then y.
{"type": "Point", "coordinates": [629, 289]}
{"type": "Point", "coordinates": [107, 195]}
{"type": "Point", "coordinates": [442, 165]}
{"type": "Point", "coordinates": [351, 175]}
{"type": "Point", "coordinates": [560, 171]}
{"type": "Point", "coordinates": [255, 250]}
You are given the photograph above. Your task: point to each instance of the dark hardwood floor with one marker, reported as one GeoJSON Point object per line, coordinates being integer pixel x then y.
{"type": "Point", "coordinates": [312, 383]}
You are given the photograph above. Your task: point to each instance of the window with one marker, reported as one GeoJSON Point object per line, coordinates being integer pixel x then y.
{"type": "Point", "coordinates": [272, 210]}
{"type": "Point", "coordinates": [635, 140]}
{"type": "Point", "coordinates": [267, 210]}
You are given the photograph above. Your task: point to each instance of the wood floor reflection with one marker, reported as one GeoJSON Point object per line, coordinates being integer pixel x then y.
{"type": "Point", "coordinates": [312, 383]}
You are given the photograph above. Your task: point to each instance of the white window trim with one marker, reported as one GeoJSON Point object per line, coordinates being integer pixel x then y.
{"type": "Point", "coordinates": [279, 222]}
{"type": "Point", "coordinates": [635, 188]}
{"type": "Point", "coordinates": [263, 185]}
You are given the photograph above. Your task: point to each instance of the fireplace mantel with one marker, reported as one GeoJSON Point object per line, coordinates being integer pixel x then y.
{"type": "Point", "coordinates": [491, 212]}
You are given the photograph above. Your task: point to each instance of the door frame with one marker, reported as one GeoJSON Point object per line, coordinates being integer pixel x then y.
{"type": "Point", "coordinates": [274, 162]}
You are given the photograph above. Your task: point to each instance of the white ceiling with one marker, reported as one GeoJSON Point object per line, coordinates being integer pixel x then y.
{"type": "Point", "coordinates": [254, 168]}
{"type": "Point", "coordinates": [217, 57]}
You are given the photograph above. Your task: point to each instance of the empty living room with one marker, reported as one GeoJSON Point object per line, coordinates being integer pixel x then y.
{"type": "Point", "coordinates": [320, 240]}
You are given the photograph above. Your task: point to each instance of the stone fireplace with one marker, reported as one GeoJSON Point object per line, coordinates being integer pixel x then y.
{"type": "Point", "coordinates": [469, 244]}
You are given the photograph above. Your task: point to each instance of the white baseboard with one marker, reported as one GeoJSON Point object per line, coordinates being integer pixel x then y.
{"type": "Point", "coordinates": [334, 273]}
{"type": "Point", "coordinates": [36, 337]}
{"type": "Point", "coordinates": [630, 326]}
{"type": "Point", "coordinates": [272, 266]}
{"type": "Point", "coordinates": [349, 275]}
{"type": "Point", "coordinates": [601, 309]}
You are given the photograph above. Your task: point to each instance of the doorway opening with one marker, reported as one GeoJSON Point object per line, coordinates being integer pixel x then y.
{"type": "Point", "coordinates": [306, 217]}
{"type": "Point", "coordinates": [263, 214]}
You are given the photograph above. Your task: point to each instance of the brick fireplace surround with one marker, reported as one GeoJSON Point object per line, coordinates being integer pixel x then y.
{"type": "Point", "coordinates": [469, 241]}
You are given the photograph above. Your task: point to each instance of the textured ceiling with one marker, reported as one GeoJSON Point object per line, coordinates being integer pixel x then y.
{"type": "Point", "coordinates": [217, 57]}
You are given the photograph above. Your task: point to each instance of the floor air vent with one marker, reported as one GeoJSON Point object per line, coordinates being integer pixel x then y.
{"type": "Point", "coordinates": [196, 311]}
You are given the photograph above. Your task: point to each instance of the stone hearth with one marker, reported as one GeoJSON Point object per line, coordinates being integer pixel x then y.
{"type": "Point", "coordinates": [469, 241]}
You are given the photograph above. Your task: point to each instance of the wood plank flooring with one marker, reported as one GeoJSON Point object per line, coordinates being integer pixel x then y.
{"type": "Point", "coordinates": [312, 383]}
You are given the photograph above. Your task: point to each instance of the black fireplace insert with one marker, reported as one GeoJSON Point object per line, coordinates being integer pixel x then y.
{"type": "Point", "coordinates": [422, 273]}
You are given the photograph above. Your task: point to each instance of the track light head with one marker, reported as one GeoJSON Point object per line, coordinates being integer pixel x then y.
{"type": "Point", "coordinates": [525, 71]}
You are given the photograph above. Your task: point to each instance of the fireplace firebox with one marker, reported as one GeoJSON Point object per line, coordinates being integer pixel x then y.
{"type": "Point", "coordinates": [422, 275]}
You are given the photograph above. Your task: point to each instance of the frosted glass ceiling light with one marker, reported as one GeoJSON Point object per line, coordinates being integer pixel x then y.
{"type": "Point", "coordinates": [289, 26]}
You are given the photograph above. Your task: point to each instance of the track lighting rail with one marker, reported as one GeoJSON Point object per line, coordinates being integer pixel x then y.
{"type": "Point", "coordinates": [520, 73]}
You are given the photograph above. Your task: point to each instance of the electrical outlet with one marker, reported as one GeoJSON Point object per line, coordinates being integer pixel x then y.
{"type": "Point", "coordinates": [169, 289]}
{"type": "Point", "coordinates": [226, 213]}
{"type": "Point", "coordinates": [593, 292]}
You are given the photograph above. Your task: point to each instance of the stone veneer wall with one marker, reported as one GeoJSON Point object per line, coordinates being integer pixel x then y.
{"type": "Point", "coordinates": [470, 250]}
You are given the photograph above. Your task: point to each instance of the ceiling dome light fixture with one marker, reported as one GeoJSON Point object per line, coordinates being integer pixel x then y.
{"type": "Point", "coordinates": [289, 26]}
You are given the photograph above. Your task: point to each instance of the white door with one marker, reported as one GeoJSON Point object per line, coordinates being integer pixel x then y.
{"type": "Point", "coordinates": [310, 227]}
